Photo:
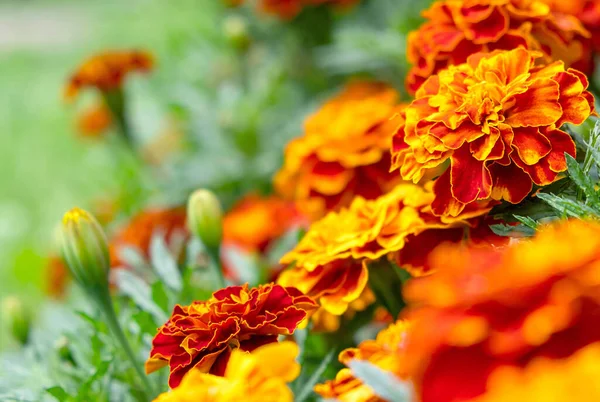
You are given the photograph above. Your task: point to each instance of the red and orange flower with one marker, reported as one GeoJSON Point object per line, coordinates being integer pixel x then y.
{"type": "Point", "coordinates": [202, 335]}
{"type": "Point", "coordinates": [94, 122]}
{"type": "Point", "coordinates": [586, 11]}
{"type": "Point", "coordinates": [331, 259]}
{"type": "Point", "coordinates": [495, 121]}
{"type": "Point", "coordinates": [456, 29]}
{"type": "Point", "coordinates": [386, 352]}
{"type": "Point", "coordinates": [107, 71]}
{"type": "Point", "coordinates": [503, 309]}
{"type": "Point", "coordinates": [138, 232]}
{"type": "Point", "coordinates": [343, 153]}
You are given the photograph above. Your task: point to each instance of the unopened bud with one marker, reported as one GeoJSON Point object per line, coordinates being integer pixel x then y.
{"type": "Point", "coordinates": [205, 217]}
{"type": "Point", "coordinates": [236, 31]}
{"type": "Point", "coordinates": [17, 317]}
{"type": "Point", "coordinates": [85, 250]}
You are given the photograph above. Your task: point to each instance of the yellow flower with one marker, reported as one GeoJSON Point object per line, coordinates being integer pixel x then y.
{"type": "Point", "coordinates": [259, 376]}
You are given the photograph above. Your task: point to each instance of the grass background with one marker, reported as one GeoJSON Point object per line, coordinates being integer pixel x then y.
{"type": "Point", "coordinates": [44, 168]}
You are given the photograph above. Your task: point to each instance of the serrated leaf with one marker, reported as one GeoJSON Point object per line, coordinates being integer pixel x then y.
{"type": "Point", "coordinates": [527, 221]}
{"type": "Point", "coordinates": [512, 231]}
{"type": "Point", "coordinates": [383, 383]}
{"type": "Point", "coordinates": [567, 206]}
{"type": "Point", "coordinates": [308, 386]}
{"type": "Point", "coordinates": [139, 291]}
{"type": "Point", "coordinates": [581, 178]}
{"type": "Point", "coordinates": [164, 263]}
{"type": "Point", "coordinates": [59, 393]}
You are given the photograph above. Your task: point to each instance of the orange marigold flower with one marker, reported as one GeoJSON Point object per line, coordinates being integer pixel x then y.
{"type": "Point", "coordinates": [572, 379]}
{"type": "Point", "coordinates": [456, 29]}
{"type": "Point", "coordinates": [259, 376]}
{"type": "Point", "coordinates": [586, 11]}
{"type": "Point", "coordinates": [330, 261]}
{"type": "Point", "coordinates": [94, 122]}
{"type": "Point", "coordinates": [495, 120]}
{"type": "Point", "coordinates": [255, 222]}
{"type": "Point", "coordinates": [386, 352]}
{"type": "Point", "coordinates": [344, 151]}
{"type": "Point", "coordinates": [57, 277]}
{"type": "Point", "coordinates": [202, 335]}
{"type": "Point", "coordinates": [138, 232]}
{"type": "Point", "coordinates": [503, 307]}
{"type": "Point", "coordinates": [106, 71]}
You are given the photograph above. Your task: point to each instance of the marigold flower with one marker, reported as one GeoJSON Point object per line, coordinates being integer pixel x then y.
{"type": "Point", "coordinates": [503, 307]}
{"type": "Point", "coordinates": [495, 120]}
{"type": "Point", "coordinates": [255, 222]}
{"type": "Point", "coordinates": [323, 321]}
{"type": "Point", "coordinates": [330, 261]}
{"type": "Point", "coordinates": [586, 11]}
{"type": "Point", "coordinates": [94, 122]}
{"type": "Point", "coordinates": [344, 151]}
{"type": "Point", "coordinates": [138, 232]}
{"type": "Point", "coordinates": [456, 29]}
{"type": "Point", "coordinates": [202, 335]}
{"type": "Point", "coordinates": [259, 376]}
{"type": "Point", "coordinates": [106, 71]}
{"type": "Point", "coordinates": [386, 352]}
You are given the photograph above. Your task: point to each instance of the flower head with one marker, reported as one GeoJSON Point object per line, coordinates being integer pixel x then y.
{"type": "Point", "coordinates": [202, 335]}
{"type": "Point", "coordinates": [343, 153]}
{"type": "Point", "coordinates": [586, 11]}
{"type": "Point", "coordinates": [495, 308]}
{"type": "Point", "coordinates": [138, 232]}
{"type": "Point", "coordinates": [386, 352]}
{"type": "Point", "coordinates": [259, 376]}
{"type": "Point", "coordinates": [495, 121]}
{"type": "Point", "coordinates": [456, 29]}
{"type": "Point", "coordinates": [330, 260]}
{"type": "Point", "coordinates": [106, 71]}
{"type": "Point", "coordinates": [94, 122]}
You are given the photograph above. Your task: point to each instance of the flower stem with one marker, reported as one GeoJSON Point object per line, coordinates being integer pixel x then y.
{"type": "Point", "coordinates": [214, 256]}
{"type": "Point", "coordinates": [383, 280]}
{"type": "Point", "coordinates": [115, 100]}
{"type": "Point", "coordinates": [106, 305]}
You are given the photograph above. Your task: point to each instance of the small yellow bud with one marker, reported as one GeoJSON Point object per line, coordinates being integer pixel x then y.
{"type": "Point", "coordinates": [236, 31]}
{"type": "Point", "coordinates": [85, 249]}
{"type": "Point", "coordinates": [18, 319]}
{"type": "Point", "coordinates": [205, 217]}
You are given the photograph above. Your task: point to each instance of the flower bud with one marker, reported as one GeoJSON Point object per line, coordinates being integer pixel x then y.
{"type": "Point", "coordinates": [85, 250]}
{"type": "Point", "coordinates": [236, 32]}
{"type": "Point", "coordinates": [205, 217]}
{"type": "Point", "coordinates": [17, 318]}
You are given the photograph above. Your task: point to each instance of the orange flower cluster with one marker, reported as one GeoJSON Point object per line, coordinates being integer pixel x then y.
{"type": "Point", "coordinates": [94, 122]}
{"type": "Point", "coordinates": [343, 153]}
{"type": "Point", "coordinates": [202, 335]}
{"type": "Point", "coordinates": [496, 310]}
{"type": "Point", "coordinates": [139, 230]}
{"type": "Point", "coordinates": [246, 378]}
{"type": "Point", "coordinates": [385, 352]}
{"type": "Point", "coordinates": [330, 261]}
{"type": "Point", "coordinates": [456, 29]}
{"type": "Point", "coordinates": [288, 9]}
{"type": "Point", "coordinates": [496, 120]}
{"type": "Point", "coordinates": [106, 71]}
{"type": "Point", "coordinates": [586, 11]}
{"type": "Point", "coordinates": [255, 222]}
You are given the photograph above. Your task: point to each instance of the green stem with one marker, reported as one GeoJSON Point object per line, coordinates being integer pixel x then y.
{"type": "Point", "coordinates": [214, 256]}
{"type": "Point", "coordinates": [115, 100]}
{"type": "Point", "coordinates": [383, 279]}
{"type": "Point", "coordinates": [113, 323]}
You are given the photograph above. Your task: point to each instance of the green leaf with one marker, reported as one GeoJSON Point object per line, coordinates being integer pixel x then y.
{"type": "Point", "coordinates": [59, 393]}
{"type": "Point", "coordinates": [512, 231]}
{"type": "Point", "coordinates": [164, 264]}
{"type": "Point", "coordinates": [308, 386]}
{"type": "Point", "coordinates": [581, 178]}
{"type": "Point", "coordinates": [567, 206]}
{"type": "Point", "coordinates": [139, 292]}
{"type": "Point", "coordinates": [384, 384]}
{"type": "Point", "coordinates": [527, 221]}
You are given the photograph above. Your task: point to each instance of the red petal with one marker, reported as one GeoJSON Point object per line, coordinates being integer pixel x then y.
{"type": "Point", "coordinates": [510, 183]}
{"type": "Point", "coordinates": [531, 144]}
{"type": "Point", "coordinates": [470, 180]}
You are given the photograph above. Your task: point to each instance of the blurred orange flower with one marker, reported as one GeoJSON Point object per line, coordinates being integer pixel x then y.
{"type": "Point", "coordinates": [138, 232]}
{"type": "Point", "coordinates": [490, 308]}
{"type": "Point", "coordinates": [456, 29]}
{"type": "Point", "coordinates": [106, 71]}
{"type": "Point", "coordinates": [586, 11]}
{"type": "Point", "coordinates": [495, 121]}
{"type": "Point", "coordinates": [259, 376]}
{"type": "Point", "coordinates": [330, 261]}
{"type": "Point", "coordinates": [94, 122]}
{"type": "Point", "coordinates": [57, 277]}
{"type": "Point", "coordinates": [344, 151]}
{"type": "Point", "coordinates": [385, 352]}
{"type": "Point", "coordinates": [202, 335]}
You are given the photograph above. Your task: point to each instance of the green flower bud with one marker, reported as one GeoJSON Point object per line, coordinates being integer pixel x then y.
{"type": "Point", "coordinates": [236, 31]}
{"type": "Point", "coordinates": [205, 217]}
{"type": "Point", "coordinates": [17, 317]}
{"type": "Point", "coordinates": [85, 250]}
